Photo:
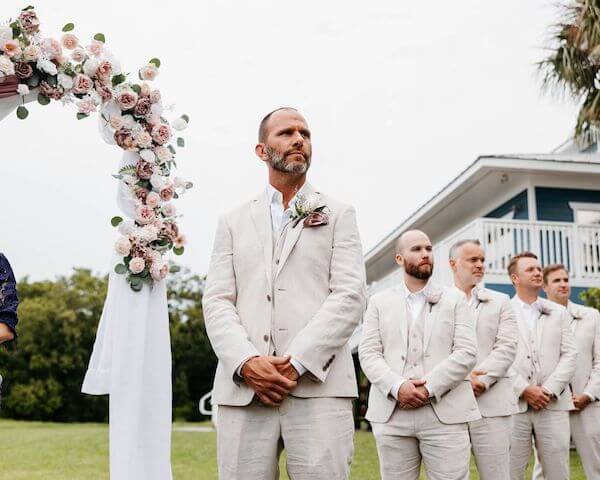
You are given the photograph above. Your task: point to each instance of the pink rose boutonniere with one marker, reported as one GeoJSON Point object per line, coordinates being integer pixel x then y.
{"type": "Point", "coordinates": [311, 210]}
{"type": "Point", "coordinates": [575, 313]}
{"type": "Point", "coordinates": [482, 296]}
{"type": "Point", "coordinates": [433, 297]}
{"type": "Point", "coordinates": [544, 309]}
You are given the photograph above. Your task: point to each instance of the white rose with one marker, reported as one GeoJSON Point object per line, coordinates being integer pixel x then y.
{"type": "Point", "coordinates": [126, 227]}
{"type": "Point", "coordinates": [7, 67]}
{"type": "Point", "coordinates": [90, 67]}
{"type": "Point", "coordinates": [5, 34]}
{"type": "Point", "coordinates": [22, 89]}
{"type": "Point", "coordinates": [179, 124]}
{"type": "Point", "coordinates": [65, 81]}
{"type": "Point", "coordinates": [163, 154]}
{"type": "Point", "coordinates": [149, 72]}
{"type": "Point", "coordinates": [148, 156]}
{"type": "Point", "coordinates": [169, 210]}
{"type": "Point", "coordinates": [123, 246]}
{"type": "Point", "coordinates": [148, 233]}
{"type": "Point", "coordinates": [157, 181]}
{"type": "Point", "coordinates": [137, 265]}
{"type": "Point", "coordinates": [47, 66]}
{"type": "Point", "coordinates": [129, 122]}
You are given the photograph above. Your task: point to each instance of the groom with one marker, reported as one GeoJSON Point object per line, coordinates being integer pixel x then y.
{"type": "Point", "coordinates": [285, 290]}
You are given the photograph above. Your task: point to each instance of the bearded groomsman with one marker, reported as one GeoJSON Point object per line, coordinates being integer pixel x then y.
{"type": "Point", "coordinates": [285, 291]}
{"type": "Point", "coordinates": [544, 367]}
{"type": "Point", "coordinates": [497, 338]}
{"type": "Point", "coordinates": [417, 349]}
{"type": "Point", "coordinates": [585, 385]}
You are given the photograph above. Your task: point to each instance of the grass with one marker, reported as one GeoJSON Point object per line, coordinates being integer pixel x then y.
{"type": "Point", "coordinates": [50, 451]}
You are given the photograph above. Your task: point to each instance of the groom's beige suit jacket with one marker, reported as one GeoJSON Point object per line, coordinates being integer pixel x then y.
{"type": "Point", "coordinates": [304, 299]}
{"type": "Point", "coordinates": [450, 353]}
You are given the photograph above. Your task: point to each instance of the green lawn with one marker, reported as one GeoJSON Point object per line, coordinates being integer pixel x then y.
{"type": "Point", "coordinates": [50, 451]}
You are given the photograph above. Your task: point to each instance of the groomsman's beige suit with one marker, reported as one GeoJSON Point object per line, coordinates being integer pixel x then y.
{"type": "Point", "coordinates": [426, 335]}
{"type": "Point", "coordinates": [585, 385]}
{"type": "Point", "coordinates": [298, 290]}
{"type": "Point", "coordinates": [546, 358]}
{"type": "Point", "coordinates": [492, 378]}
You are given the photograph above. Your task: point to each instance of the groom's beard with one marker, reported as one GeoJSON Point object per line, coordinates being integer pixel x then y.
{"type": "Point", "coordinates": [422, 272]}
{"type": "Point", "coordinates": [279, 163]}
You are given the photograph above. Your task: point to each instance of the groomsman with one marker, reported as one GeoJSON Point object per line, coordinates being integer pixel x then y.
{"type": "Point", "coordinates": [417, 349]}
{"type": "Point", "coordinates": [585, 385]}
{"type": "Point", "coordinates": [544, 367]}
{"type": "Point", "coordinates": [497, 335]}
{"type": "Point", "coordinates": [285, 291]}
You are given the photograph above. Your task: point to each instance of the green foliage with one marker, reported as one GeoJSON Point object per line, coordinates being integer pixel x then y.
{"type": "Point", "coordinates": [68, 27]}
{"type": "Point", "coordinates": [58, 322]}
{"type": "Point", "coordinates": [591, 297]}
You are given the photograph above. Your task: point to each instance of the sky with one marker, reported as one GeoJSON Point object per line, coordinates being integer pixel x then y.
{"type": "Point", "coordinates": [400, 98]}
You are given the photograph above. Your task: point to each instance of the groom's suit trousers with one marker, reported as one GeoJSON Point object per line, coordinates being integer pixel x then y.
{"type": "Point", "coordinates": [317, 434]}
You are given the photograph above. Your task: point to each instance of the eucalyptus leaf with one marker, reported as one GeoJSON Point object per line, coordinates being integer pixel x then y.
{"type": "Point", "coordinates": [43, 99]}
{"type": "Point", "coordinates": [178, 250]}
{"type": "Point", "coordinates": [100, 37]}
{"type": "Point", "coordinates": [180, 142]}
{"type": "Point", "coordinates": [69, 27]}
{"type": "Point", "coordinates": [22, 112]}
{"type": "Point", "coordinates": [156, 62]}
{"type": "Point", "coordinates": [115, 221]}
{"type": "Point", "coordinates": [120, 269]}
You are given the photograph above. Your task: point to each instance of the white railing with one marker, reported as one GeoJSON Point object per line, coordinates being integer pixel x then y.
{"type": "Point", "coordinates": [575, 246]}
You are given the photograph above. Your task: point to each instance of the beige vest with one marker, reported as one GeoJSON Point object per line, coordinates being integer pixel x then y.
{"type": "Point", "coordinates": [414, 368]}
{"type": "Point", "coordinates": [278, 241]}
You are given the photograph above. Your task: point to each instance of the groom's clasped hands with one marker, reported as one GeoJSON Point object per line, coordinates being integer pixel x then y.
{"type": "Point", "coordinates": [272, 378]}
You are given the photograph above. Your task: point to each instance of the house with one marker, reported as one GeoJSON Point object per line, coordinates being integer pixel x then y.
{"type": "Point", "coordinates": [547, 203]}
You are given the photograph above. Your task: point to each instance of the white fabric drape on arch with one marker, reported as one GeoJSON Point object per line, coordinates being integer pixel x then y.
{"type": "Point", "coordinates": [131, 362]}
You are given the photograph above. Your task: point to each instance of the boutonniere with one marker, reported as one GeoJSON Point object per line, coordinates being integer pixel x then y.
{"type": "Point", "coordinates": [482, 296]}
{"type": "Point", "coordinates": [544, 310]}
{"type": "Point", "coordinates": [311, 210]}
{"type": "Point", "coordinates": [433, 297]}
{"type": "Point", "coordinates": [575, 313]}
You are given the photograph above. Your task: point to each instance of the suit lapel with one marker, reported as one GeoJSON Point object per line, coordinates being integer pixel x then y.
{"type": "Point", "coordinates": [292, 234]}
{"type": "Point", "coordinates": [261, 217]}
{"type": "Point", "coordinates": [540, 326]}
{"type": "Point", "coordinates": [398, 315]}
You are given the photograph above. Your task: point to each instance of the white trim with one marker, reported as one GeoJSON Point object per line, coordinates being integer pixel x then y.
{"type": "Point", "coordinates": [531, 202]}
{"type": "Point", "coordinates": [585, 206]}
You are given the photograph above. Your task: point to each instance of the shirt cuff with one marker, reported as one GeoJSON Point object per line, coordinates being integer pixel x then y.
{"type": "Point", "coordinates": [395, 389]}
{"type": "Point", "coordinates": [590, 396]}
{"type": "Point", "coordinates": [298, 366]}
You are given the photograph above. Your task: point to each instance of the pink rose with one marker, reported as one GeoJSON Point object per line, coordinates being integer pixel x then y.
{"type": "Point", "coordinates": [159, 270]}
{"type": "Point", "coordinates": [137, 265]}
{"type": "Point", "coordinates": [29, 21]}
{"type": "Point", "coordinates": [166, 192]}
{"type": "Point", "coordinates": [163, 154]}
{"type": "Point", "coordinates": [82, 84]}
{"type": "Point", "coordinates": [143, 169]}
{"type": "Point", "coordinates": [170, 230]}
{"type": "Point", "coordinates": [143, 139]}
{"type": "Point", "coordinates": [124, 139]}
{"type": "Point", "coordinates": [161, 133]}
{"type": "Point", "coordinates": [145, 90]}
{"type": "Point", "coordinates": [123, 246]}
{"type": "Point", "coordinates": [145, 214]}
{"type": "Point", "coordinates": [54, 93]}
{"type": "Point", "coordinates": [23, 70]}
{"type": "Point", "coordinates": [86, 106]}
{"type": "Point", "coordinates": [127, 99]}
{"type": "Point", "coordinates": [142, 193]}
{"type": "Point", "coordinates": [51, 48]}
{"type": "Point", "coordinates": [104, 91]}
{"type": "Point", "coordinates": [152, 199]}
{"type": "Point", "coordinates": [11, 48]}
{"type": "Point", "coordinates": [31, 53]}
{"type": "Point", "coordinates": [316, 219]}
{"type": "Point", "coordinates": [142, 107]}
{"type": "Point", "coordinates": [95, 48]}
{"type": "Point", "coordinates": [70, 41]}
{"type": "Point", "coordinates": [78, 55]}
{"type": "Point", "coordinates": [104, 70]}
{"type": "Point", "coordinates": [149, 72]}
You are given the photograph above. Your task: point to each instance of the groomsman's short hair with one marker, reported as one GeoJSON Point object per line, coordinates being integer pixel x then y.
{"type": "Point", "coordinates": [554, 267]}
{"type": "Point", "coordinates": [512, 265]}
{"type": "Point", "coordinates": [262, 129]}
{"type": "Point", "coordinates": [454, 248]}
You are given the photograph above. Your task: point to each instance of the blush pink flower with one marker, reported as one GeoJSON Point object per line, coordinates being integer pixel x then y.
{"type": "Point", "coordinates": [145, 214]}
{"type": "Point", "coordinates": [78, 55]}
{"type": "Point", "coordinates": [127, 99]}
{"type": "Point", "coordinates": [159, 270]}
{"type": "Point", "coordinates": [152, 200]}
{"type": "Point", "coordinates": [69, 41]}
{"type": "Point", "coordinates": [86, 106]}
{"type": "Point", "coordinates": [155, 96]}
{"type": "Point", "coordinates": [95, 48]}
{"type": "Point", "coordinates": [31, 53]}
{"type": "Point", "coordinates": [29, 21]}
{"type": "Point", "coordinates": [166, 192]}
{"type": "Point", "coordinates": [137, 265]}
{"type": "Point", "coordinates": [104, 70]}
{"type": "Point", "coordinates": [169, 210]}
{"type": "Point", "coordinates": [179, 241]}
{"type": "Point", "coordinates": [123, 246]}
{"type": "Point", "coordinates": [82, 84]}
{"type": "Point", "coordinates": [149, 72]}
{"type": "Point", "coordinates": [51, 48]}
{"type": "Point", "coordinates": [11, 48]}
{"type": "Point", "coordinates": [161, 133]}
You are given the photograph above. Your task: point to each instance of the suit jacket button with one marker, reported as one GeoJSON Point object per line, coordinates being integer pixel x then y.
{"type": "Point", "coordinates": [403, 357]}
{"type": "Point", "coordinates": [324, 367]}
{"type": "Point", "coordinates": [266, 338]}
{"type": "Point", "coordinates": [277, 262]}
{"type": "Point", "coordinates": [268, 298]}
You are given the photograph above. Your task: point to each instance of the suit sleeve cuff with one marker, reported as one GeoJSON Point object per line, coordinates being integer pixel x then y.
{"type": "Point", "coordinates": [298, 366]}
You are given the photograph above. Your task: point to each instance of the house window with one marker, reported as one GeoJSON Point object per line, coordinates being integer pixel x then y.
{"type": "Point", "coordinates": [586, 213]}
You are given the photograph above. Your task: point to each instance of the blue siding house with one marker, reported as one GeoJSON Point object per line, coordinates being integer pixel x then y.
{"type": "Point", "coordinates": [547, 203]}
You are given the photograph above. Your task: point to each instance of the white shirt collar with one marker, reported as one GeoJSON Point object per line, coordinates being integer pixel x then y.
{"type": "Point", "coordinates": [535, 305]}
{"type": "Point", "coordinates": [421, 293]}
{"type": "Point", "coordinates": [274, 196]}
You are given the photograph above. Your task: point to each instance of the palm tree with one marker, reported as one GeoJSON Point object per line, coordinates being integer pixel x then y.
{"type": "Point", "coordinates": [573, 65]}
